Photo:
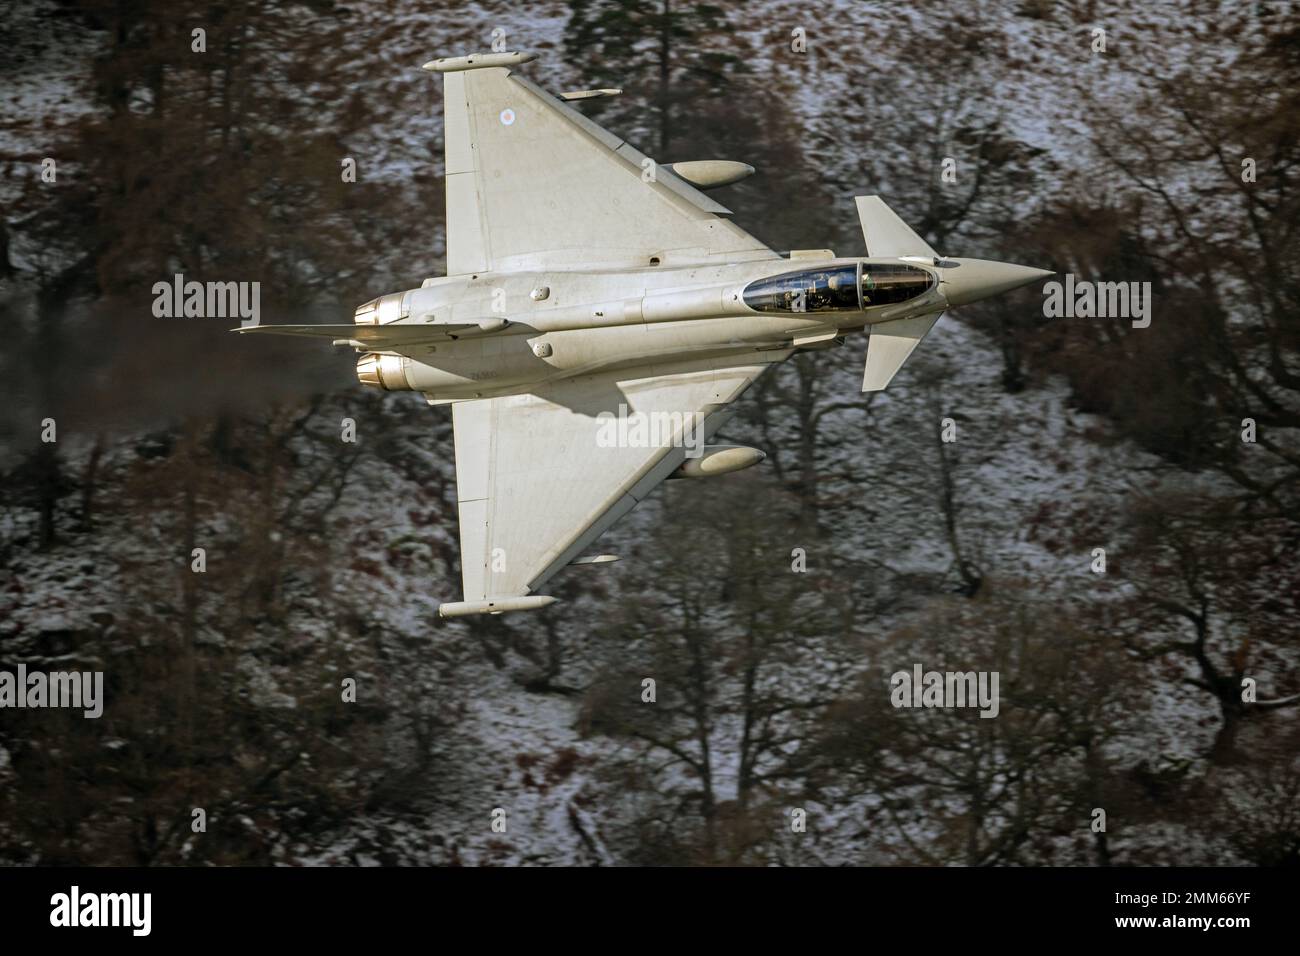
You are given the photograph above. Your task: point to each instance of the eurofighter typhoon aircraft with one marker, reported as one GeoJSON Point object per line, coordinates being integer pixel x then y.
{"type": "Point", "coordinates": [599, 316]}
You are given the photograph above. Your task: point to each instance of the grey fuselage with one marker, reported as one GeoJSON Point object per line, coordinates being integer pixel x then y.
{"type": "Point", "coordinates": [560, 324]}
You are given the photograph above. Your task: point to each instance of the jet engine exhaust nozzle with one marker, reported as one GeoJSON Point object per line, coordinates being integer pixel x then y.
{"type": "Point", "coordinates": [382, 371]}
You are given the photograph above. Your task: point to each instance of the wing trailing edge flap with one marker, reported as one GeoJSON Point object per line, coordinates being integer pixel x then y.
{"type": "Point", "coordinates": [890, 345]}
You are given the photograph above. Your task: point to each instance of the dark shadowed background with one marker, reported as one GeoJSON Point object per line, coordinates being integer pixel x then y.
{"type": "Point", "coordinates": [1163, 691]}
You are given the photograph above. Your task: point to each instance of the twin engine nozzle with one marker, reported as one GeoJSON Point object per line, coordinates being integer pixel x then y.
{"type": "Point", "coordinates": [382, 371]}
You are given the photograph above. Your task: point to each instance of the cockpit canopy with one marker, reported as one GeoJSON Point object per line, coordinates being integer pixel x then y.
{"type": "Point", "coordinates": [844, 288]}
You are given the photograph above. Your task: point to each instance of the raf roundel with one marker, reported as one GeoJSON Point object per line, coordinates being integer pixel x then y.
{"type": "Point", "coordinates": [507, 117]}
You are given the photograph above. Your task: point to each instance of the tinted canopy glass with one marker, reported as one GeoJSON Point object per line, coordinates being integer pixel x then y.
{"type": "Point", "coordinates": [887, 284]}
{"type": "Point", "coordinates": [835, 289]}
{"type": "Point", "coordinates": [810, 290]}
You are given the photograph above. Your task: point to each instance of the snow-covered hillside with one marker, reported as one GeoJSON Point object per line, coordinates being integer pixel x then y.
{"type": "Point", "coordinates": [770, 607]}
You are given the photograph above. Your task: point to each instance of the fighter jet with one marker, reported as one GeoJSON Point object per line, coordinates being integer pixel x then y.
{"type": "Point", "coordinates": [600, 316]}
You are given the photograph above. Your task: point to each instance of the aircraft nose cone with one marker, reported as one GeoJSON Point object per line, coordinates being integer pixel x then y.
{"type": "Point", "coordinates": [970, 280]}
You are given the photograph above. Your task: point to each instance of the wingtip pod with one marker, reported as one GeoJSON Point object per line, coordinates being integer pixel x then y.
{"type": "Point", "coordinates": [476, 61]}
{"type": "Point", "coordinates": [499, 605]}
